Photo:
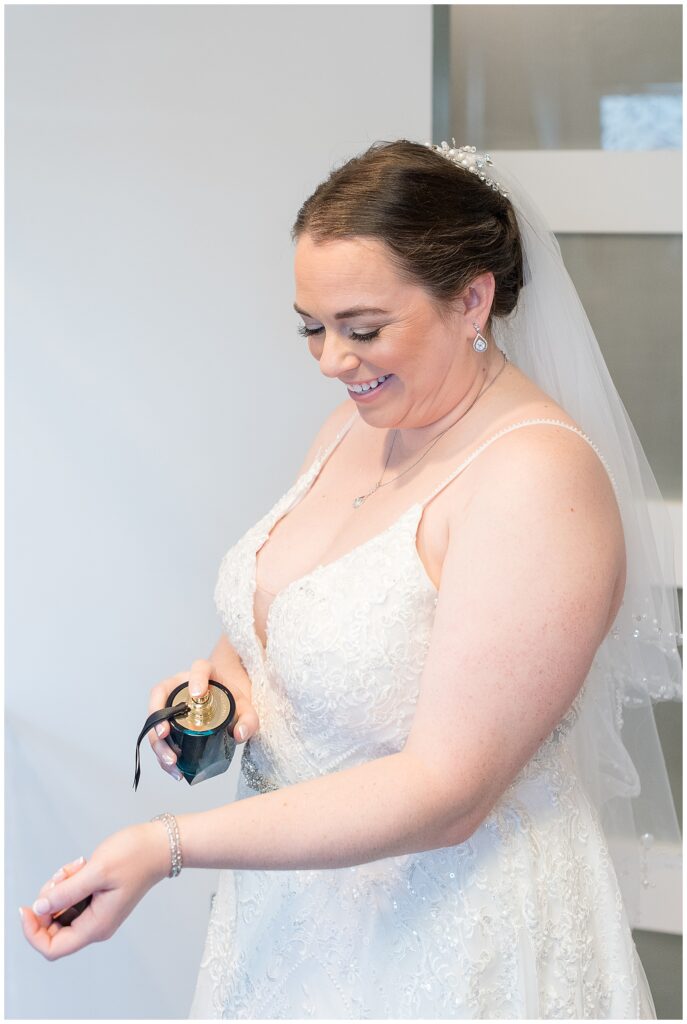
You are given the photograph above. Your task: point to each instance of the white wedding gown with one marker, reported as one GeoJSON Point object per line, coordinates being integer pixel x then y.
{"type": "Point", "coordinates": [524, 919]}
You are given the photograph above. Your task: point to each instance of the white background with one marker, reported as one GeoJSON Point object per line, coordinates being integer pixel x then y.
{"type": "Point", "coordinates": [158, 401]}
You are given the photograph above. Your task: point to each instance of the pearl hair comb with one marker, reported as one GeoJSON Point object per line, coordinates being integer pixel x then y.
{"type": "Point", "coordinates": [467, 156]}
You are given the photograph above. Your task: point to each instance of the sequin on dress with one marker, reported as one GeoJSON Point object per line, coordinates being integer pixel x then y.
{"type": "Point", "coordinates": [524, 919]}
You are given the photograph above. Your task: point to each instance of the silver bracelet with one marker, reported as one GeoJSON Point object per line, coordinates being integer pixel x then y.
{"type": "Point", "coordinates": [170, 823]}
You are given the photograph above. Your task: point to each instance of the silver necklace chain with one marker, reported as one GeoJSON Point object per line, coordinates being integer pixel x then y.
{"type": "Point", "coordinates": [357, 502]}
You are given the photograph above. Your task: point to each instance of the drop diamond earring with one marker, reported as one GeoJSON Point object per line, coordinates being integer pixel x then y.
{"type": "Point", "coordinates": [480, 342]}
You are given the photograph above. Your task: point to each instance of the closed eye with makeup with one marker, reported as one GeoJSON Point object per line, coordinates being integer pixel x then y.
{"type": "Point", "coordinates": [356, 387]}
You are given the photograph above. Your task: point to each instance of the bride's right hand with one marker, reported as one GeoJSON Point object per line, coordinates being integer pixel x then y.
{"type": "Point", "coordinates": [198, 677]}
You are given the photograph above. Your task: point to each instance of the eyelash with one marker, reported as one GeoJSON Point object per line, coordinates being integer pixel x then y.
{"type": "Point", "coordinates": [307, 332]}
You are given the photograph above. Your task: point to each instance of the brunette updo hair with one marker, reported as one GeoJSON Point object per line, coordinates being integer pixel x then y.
{"type": "Point", "coordinates": [441, 225]}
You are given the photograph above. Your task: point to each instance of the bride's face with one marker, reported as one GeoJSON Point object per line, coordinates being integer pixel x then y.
{"type": "Point", "coordinates": [363, 321]}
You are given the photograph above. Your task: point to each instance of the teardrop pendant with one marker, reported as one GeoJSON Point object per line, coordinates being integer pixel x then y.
{"type": "Point", "coordinates": [358, 501]}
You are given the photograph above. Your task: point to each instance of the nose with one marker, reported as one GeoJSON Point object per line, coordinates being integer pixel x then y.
{"type": "Point", "coordinates": [334, 355]}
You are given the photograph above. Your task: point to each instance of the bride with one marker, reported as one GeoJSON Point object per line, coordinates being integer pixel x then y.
{"type": "Point", "coordinates": [431, 636]}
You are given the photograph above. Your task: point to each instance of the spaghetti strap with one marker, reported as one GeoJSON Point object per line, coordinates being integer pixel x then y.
{"type": "Point", "coordinates": [324, 453]}
{"type": "Point", "coordinates": [514, 426]}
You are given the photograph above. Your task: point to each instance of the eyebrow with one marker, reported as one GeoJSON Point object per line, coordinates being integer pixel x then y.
{"type": "Point", "coordinates": [346, 313]}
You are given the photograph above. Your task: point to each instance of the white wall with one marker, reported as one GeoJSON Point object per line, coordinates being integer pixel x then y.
{"type": "Point", "coordinates": [158, 401]}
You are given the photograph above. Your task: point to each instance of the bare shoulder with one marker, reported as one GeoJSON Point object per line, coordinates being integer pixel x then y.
{"type": "Point", "coordinates": [328, 430]}
{"type": "Point", "coordinates": [540, 462]}
{"type": "Point", "coordinates": [538, 447]}
{"type": "Point", "coordinates": [543, 480]}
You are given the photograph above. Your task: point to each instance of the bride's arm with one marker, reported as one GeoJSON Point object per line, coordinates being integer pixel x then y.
{"type": "Point", "coordinates": [383, 808]}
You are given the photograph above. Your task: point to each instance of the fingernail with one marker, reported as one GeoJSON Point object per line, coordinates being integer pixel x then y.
{"type": "Point", "coordinates": [159, 730]}
{"type": "Point", "coordinates": [41, 906]}
{"type": "Point", "coordinates": [51, 886]}
{"type": "Point", "coordinates": [21, 913]}
{"type": "Point", "coordinates": [178, 776]}
{"type": "Point", "coordinates": [168, 759]}
{"type": "Point", "coordinates": [241, 731]}
{"type": "Point", "coordinates": [59, 875]}
{"type": "Point", "coordinates": [81, 860]}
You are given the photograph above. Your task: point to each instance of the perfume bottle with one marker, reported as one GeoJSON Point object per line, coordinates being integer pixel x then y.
{"type": "Point", "coordinates": [200, 731]}
{"type": "Point", "coordinates": [202, 737]}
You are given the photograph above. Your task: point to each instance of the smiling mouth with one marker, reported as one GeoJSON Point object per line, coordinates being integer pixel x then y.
{"type": "Point", "coordinates": [372, 385]}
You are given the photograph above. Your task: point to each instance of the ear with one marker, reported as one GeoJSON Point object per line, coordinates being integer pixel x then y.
{"type": "Point", "coordinates": [478, 298]}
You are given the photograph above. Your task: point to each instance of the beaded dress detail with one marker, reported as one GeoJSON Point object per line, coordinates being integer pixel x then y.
{"type": "Point", "coordinates": [524, 919]}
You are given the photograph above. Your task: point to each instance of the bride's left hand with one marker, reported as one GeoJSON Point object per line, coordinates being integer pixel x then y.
{"type": "Point", "coordinates": [119, 873]}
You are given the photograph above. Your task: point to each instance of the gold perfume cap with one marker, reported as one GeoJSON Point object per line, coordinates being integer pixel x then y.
{"type": "Point", "coordinates": [210, 710]}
